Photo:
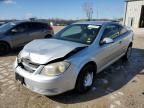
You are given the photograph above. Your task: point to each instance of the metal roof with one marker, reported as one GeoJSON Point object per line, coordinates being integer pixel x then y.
{"type": "Point", "coordinates": [24, 21]}
{"type": "Point", "coordinates": [94, 22]}
{"type": "Point", "coordinates": [132, 0]}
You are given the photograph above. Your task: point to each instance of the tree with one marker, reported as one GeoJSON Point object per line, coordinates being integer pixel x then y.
{"type": "Point", "coordinates": [88, 9]}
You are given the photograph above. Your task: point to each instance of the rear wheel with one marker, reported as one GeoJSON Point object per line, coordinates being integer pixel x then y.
{"type": "Point", "coordinates": [86, 78]}
{"type": "Point", "coordinates": [48, 36]}
{"type": "Point", "coordinates": [128, 53]}
{"type": "Point", "coordinates": [4, 48]}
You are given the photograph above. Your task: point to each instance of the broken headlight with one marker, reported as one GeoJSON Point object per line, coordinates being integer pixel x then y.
{"type": "Point", "coordinates": [55, 68]}
{"type": "Point", "coordinates": [19, 57]}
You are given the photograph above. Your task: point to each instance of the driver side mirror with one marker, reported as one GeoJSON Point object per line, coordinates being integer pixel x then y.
{"type": "Point", "coordinates": [13, 31]}
{"type": "Point", "coordinates": [106, 41]}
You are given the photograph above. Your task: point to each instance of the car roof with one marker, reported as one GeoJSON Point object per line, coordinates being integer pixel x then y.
{"type": "Point", "coordinates": [24, 21]}
{"type": "Point", "coordinates": [96, 22]}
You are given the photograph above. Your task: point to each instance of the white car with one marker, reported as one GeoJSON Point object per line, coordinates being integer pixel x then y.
{"type": "Point", "coordinates": [73, 57]}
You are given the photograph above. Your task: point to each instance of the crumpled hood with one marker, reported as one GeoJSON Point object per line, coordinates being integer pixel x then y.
{"type": "Point", "coordinates": [43, 51]}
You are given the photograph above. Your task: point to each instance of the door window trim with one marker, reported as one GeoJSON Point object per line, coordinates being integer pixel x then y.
{"type": "Point", "coordinates": [104, 30]}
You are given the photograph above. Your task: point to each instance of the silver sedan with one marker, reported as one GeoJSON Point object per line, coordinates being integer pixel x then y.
{"type": "Point", "coordinates": [73, 57]}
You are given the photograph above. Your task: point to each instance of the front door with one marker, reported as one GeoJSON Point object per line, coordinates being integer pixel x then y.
{"type": "Point", "coordinates": [109, 52]}
{"type": "Point", "coordinates": [19, 35]}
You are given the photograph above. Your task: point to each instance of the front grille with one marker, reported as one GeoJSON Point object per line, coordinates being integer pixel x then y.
{"type": "Point", "coordinates": [27, 65]}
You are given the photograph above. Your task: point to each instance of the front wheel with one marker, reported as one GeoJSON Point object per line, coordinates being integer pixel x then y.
{"type": "Point", "coordinates": [85, 79]}
{"type": "Point", "coordinates": [4, 48]}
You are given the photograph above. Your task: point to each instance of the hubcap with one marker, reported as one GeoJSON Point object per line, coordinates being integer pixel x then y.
{"type": "Point", "coordinates": [129, 52]}
{"type": "Point", "coordinates": [88, 79]}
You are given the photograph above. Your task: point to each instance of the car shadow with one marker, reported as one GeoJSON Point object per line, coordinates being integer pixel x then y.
{"type": "Point", "coordinates": [13, 52]}
{"type": "Point", "coordinates": [110, 80]}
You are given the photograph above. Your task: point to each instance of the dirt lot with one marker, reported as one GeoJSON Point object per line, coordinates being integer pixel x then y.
{"type": "Point", "coordinates": [119, 86]}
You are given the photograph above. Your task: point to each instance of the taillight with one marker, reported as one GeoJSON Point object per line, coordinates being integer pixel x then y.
{"type": "Point", "coordinates": [50, 28]}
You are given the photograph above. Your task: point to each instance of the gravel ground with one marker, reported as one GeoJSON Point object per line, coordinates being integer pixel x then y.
{"type": "Point", "coordinates": [119, 86]}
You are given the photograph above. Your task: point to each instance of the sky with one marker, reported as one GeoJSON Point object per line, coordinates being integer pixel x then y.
{"type": "Point", "coordinates": [65, 9]}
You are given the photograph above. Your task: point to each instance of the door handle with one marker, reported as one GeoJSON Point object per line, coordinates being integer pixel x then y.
{"type": "Point", "coordinates": [120, 42]}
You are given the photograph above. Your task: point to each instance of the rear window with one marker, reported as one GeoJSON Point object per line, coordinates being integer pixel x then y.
{"type": "Point", "coordinates": [37, 26]}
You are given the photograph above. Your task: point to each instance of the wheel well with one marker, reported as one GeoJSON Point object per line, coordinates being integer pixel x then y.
{"type": "Point", "coordinates": [130, 44]}
{"type": "Point", "coordinates": [89, 63]}
{"type": "Point", "coordinates": [48, 35]}
{"type": "Point", "coordinates": [5, 43]}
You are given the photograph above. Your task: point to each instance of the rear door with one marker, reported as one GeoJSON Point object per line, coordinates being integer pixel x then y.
{"type": "Point", "coordinates": [109, 52]}
{"type": "Point", "coordinates": [19, 35]}
{"type": "Point", "coordinates": [36, 30]}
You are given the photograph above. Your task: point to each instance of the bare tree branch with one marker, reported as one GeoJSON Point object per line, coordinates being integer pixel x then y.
{"type": "Point", "coordinates": [88, 9]}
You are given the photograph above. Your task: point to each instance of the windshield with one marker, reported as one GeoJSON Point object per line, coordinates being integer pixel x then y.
{"type": "Point", "coordinates": [81, 33]}
{"type": "Point", "coordinates": [7, 26]}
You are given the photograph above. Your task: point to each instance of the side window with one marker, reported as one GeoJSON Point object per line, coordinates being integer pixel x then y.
{"type": "Point", "coordinates": [111, 31]}
{"type": "Point", "coordinates": [21, 28]}
{"type": "Point", "coordinates": [122, 30]}
{"type": "Point", "coordinates": [72, 31]}
{"type": "Point", "coordinates": [44, 26]}
{"type": "Point", "coordinates": [40, 26]}
{"type": "Point", "coordinates": [35, 26]}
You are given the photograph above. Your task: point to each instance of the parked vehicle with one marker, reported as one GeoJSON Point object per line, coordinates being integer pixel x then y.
{"type": "Point", "coordinates": [73, 57]}
{"type": "Point", "coordinates": [18, 33]}
{"type": "Point", "coordinates": [1, 23]}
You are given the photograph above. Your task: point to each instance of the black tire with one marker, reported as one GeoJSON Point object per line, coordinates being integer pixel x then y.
{"type": "Point", "coordinates": [128, 54]}
{"type": "Point", "coordinates": [48, 36]}
{"type": "Point", "coordinates": [4, 48]}
{"type": "Point", "coordinates": [80, 84]}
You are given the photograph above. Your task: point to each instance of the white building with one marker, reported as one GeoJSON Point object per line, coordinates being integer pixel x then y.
{"type": "Point", "coordinates": [134, 13]}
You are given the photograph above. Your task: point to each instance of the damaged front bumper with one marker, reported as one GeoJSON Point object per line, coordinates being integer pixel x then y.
{"type": "Point", "coordinates": [46, 85]}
